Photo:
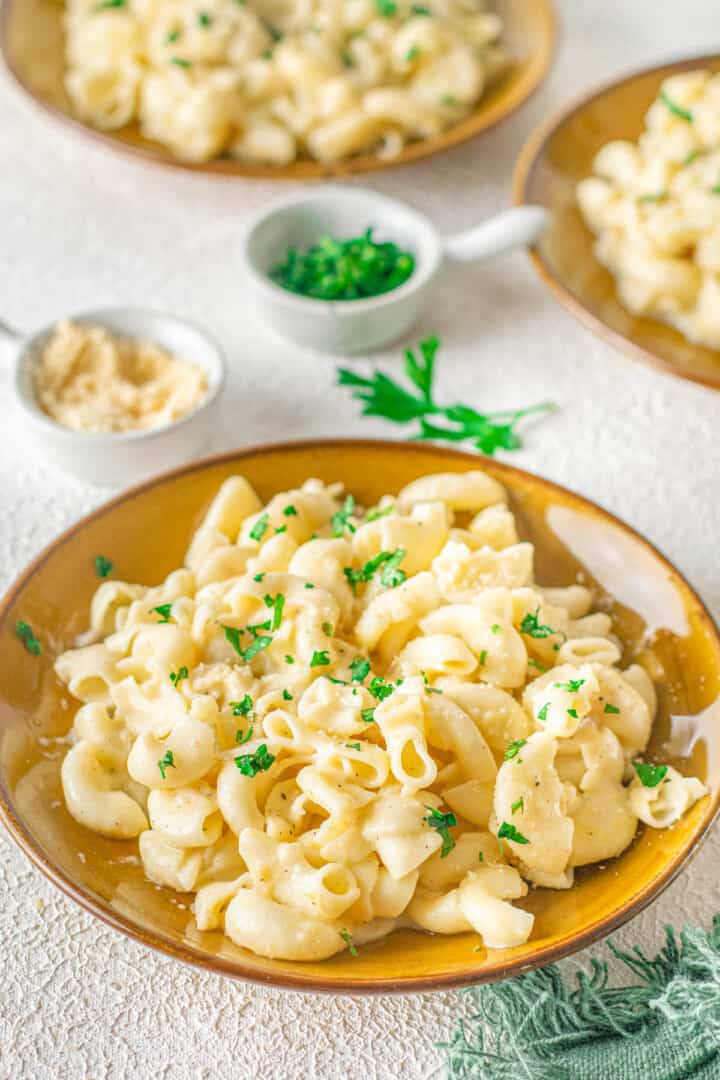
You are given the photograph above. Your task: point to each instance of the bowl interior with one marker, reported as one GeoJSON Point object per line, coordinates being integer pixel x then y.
{"type": "Point", "coordinates": [183, 339]}
{"type": "Point", "coordinates": [145, 532]}
{"type": "Point", "coordinates": [341, 213]}
{"type": "Point", "coordinates": [31, 41]}
{"type": "Point", "coordinates": [554, 160]}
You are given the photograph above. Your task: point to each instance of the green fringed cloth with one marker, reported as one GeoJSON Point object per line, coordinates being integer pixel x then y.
{"type": "Point", "coordinates": [665, 1026]}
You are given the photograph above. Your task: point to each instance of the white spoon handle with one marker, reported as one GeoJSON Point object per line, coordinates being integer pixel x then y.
{"type": "Point", "coordinates": [8, 333]}
{"type": "Point", "coordinates": [519, 227]}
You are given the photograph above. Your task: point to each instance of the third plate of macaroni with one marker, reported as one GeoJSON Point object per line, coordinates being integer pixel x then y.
{"type": "Point", "coordinates": [334, 720]}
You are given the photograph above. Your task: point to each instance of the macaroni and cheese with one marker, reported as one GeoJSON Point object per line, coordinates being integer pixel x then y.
{"type": "Point", "coordinates": [333, 719]}
{"type": "Point", "coordinates": [270, 81]}
{"type": "Point", "coordinates": [655, 209]}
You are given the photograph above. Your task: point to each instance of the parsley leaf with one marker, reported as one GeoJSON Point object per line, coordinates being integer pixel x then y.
{"type": "Point", "coordinates": [260, 527]}
{"type": "Point", "coordinates": [241, 738]}
{"type": "Point", "coordinates": [252, 764]}
{"type": "Point", "coordinates": [163, 610]}
{"type": "Point", "coordinates": [243, 707]}
{"type": "Point", "coordinates": [340, 520]}
{"type": "Point", "coordinates": [514, 749]}
{"type": "Point", "coordinates": [25, 632]}
{"type": "Point", "coordinates": [290, 511]}
{"type": "Point", "coordinates": [277, 603]}
{"type": "Point", "coordinates": [509, 832]}
{"type": "Point", "coordinates": [103, 566]}
{"type": "Point", "coordinates": [376, 512]}
{"type": "Point", "coordinates": [382, 396]}
{"type": "Point", "coordinates": [531, 626]}
{"type": "Point", "coordinates": [675, 109]}
{"type": "Point", "coordinates": [572, 685]}
{"type": "Point", "coordinates": [347, 938]}
{"type": "Point", "coordinates": [176, 677]}
{"type": "Point", "coordinates": [611, 709]}
{"type": "Point", "coordinates": [167, 761]}
{"type": "Point", "coordinates": [368, 715]}
{"type": "Point", "coordinates": [519, 804]}
{"type": "Point", "coordinates": [379, 688]}
{"type": "Point", "coordinates": [320, 658]}
{"type": "Point", "coordinates": [442, 823]}
{"type": "Point", "coordinates": [649, 775]}
{"type": "Point", "coordinates": [359, 669]}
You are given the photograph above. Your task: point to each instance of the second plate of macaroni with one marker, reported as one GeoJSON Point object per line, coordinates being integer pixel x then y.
{"type": "Point", "coordinates": [334, 720]}
{"type": "Point", "coordinates": [266, 88]}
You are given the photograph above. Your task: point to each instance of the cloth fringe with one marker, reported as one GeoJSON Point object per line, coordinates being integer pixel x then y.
{"type": "Point", "coordinates": [539, 1026]}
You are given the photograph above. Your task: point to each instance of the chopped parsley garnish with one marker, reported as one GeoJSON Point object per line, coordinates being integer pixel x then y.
{"type": "Point", "coordinates": [259, 642]}
{"type": "Point", "coordinates": [260, 527]}
{"type": "Point", "coordinates": [327, 629]}
{"type": "Point", "coordinates": [243, 737]}
{"type": "Point", "coordinates": [675, 109]}
{"type": "Point", "coordinates": [376, 512]}
{"type": "Point", "coordinates": [573, 713]}
{"type": "Point", "coordinates": [180, 62]}
{"type": "Point", "coordinates": [649, 775]}
{"type": "Point", "coordinates": [359, 669]}
{"type": "Point", "coordinates": [572, 685]}
{"type": "Point", "coordinates": [428, 688]}
{"type": "Point", "coordinates": [612, 710]}
{"type": "Point", "coordinates": [308, 585]}
{"type": "Point", "coordinates": [107, 5]}
{"type": "Point", "coordinates": [531, 626]}
{"type": "Point", "coordinates": [382, 396]}
{"type": "Point", "coordinates": [483, 657]}
{"type": "Point", "coordinates": [542, 715]}
{"type": "Point", "coordinates": [173, 36]}
{"type": "Point", "coordinates": [388, 8]}
{"type": "Point", "coordinates": [514, 749]}
{"type": "Point", "coordinates": [25, 632]}
{"type": "Point", "coordinates": [204, 19]}
{"type": "Point", "coordinates": [243, 707]}
{"type": "Point", "coordinates": [496, 628]}
{"type": "Point", "coordinates": [345, 270]}
{"type": "Point", "coordinates": [277, 603]}
{"type": "Point", "coordinates": [320, 658]}
{"type": "Point", "coordinates": [449, 100]}
{"type": "Point", "coordinates": [420, 9]}
{"type": "Point", "coordinates": [259, 577]}
{"type": "Point", "coordinates": [412, 54]}
{"type": "Point", "coordinates": [390, 577]}
{"type": "Point", "coordinates": [252, 764]}
{"type": "Point", "coordinates": [282, 529]}
{"type": "Point", "coordinates": [163, 610]}
{"type": "Point", "coordinates": [167, 761]}
{"type": "Point", "coordinates": [289, 659]}
{"type": "Point", "coordinates": [347, 938]}
{"type": "Point", "coordinates": [287, 696]}
{"type": "Point", "coordinates": [103, 566]}
{"type": "Point", "coordinates": [353, 746]}
{"type": "Point", "coordinates": [176, 677]}
{"type": "Point", "coordinates": [368, 715]}
{"type": "Point", "coordinates": [290, 511]}
{"type": "Point", "coordinates": [519, 804]}
{"type": "Point", "coordinates": [442, 823]}
{"type": "Point", "coordinates": [340, 520]}
{"type": "Point", "coordinates": [536, 664]}
{"type": "Point", "coordinates": [379, 688]}
{"type": "Point", "coordinates": [509, 832]}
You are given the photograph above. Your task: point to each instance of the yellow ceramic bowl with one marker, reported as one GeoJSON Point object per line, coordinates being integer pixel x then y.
{"type": "Point", "coordinates": [144, 532]}
{"type": "Point", "coordinates": [31, 42]}
{"type": "Point", "coordinates": [555, 158]}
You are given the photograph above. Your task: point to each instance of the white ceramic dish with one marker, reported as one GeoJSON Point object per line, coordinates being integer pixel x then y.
{"type": "Point", "coordinates": [355, 326]}
{"type": "Point", "coordinates": [116, 459]}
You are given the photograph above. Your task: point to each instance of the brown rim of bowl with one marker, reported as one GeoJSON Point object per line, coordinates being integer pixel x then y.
{"type": "Point", "coordinates": [524, 166]}
{"type": "Point", "coordinates": [305, 169]}
{"type": "Point", "coordinates": [218, 965]}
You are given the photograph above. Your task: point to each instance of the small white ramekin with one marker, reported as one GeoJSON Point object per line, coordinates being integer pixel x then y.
{"type": "Point", "coordinates": [122, 458]}
{"type": "Point", "coordinates": [355, 326]}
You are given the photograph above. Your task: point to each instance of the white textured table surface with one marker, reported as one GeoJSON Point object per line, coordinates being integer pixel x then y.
{"type": "Point", "coordinates": [83, 228]}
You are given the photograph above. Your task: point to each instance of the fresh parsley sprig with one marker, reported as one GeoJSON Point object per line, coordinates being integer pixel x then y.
{"type": "Point", "coordinates": [383, 396]}
{"type": "Point", "coordinates": [442, 823]}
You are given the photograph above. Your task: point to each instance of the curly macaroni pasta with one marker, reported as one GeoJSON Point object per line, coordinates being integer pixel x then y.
{"type": "Point", "coordinates": [655, 209]}
{"type": "Point", "coordinates": [331, 720]}
{"type": "Point", "coordinates": [273, 80]}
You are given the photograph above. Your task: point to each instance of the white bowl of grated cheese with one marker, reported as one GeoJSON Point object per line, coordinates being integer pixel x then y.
{"type": "Point", "coordinates": [118, 394]}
